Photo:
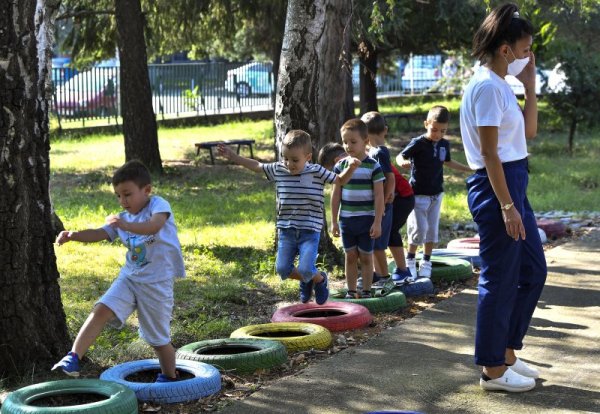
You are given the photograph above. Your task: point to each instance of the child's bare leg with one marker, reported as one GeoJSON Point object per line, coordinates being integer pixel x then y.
{"type": "Point", "coordinates": [380, 262]}
{"type": "Point", "coordinates": [166, 358]}
{"type": "Point", "coordinates": [412, 248]}
{"type": "Point", "coordinates": [428, 248]}
{"type": "Point", "coordinates": [91, 328]}
{"type": "Point", "coordinates": [295, 275]}
{"type": "Point", "coordinates": [398, 255]}
{"type": "Point", "coordinates": [351, 267]}
{"type": "Point", "coordinates": [366, 268]}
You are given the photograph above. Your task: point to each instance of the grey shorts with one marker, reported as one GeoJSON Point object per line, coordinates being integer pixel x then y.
{"type": "Point", "coordinates": [423, 222]}
{"type": "Point", "coordinates": [154, 304]}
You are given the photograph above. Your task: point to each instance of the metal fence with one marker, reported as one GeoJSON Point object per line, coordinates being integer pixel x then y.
{"type": "Point", "coordinates": [191, 89]}
{"type": "Point", "coordinates": [185, 89]}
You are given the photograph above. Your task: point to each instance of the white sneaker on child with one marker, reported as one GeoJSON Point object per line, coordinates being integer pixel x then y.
{"type": "Point", "coordinates": [411, 265]}
{"type": "Point", "coordinates": [425, 268]}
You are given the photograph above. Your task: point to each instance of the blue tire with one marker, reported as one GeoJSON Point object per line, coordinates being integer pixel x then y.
{"type": "Point", "coordinates": [206, 381]}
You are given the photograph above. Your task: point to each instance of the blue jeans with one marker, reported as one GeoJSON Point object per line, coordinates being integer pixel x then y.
{"type": "Point", "coordinates": [512, 272]}
{"type": "Point", "coordinates": [292, 242]}
{"type": "Point", "coordinates": [355, 233]}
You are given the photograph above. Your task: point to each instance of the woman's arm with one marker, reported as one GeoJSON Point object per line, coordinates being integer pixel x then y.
{"type": "Point", "coordinates": [530, 111]}
{"type": "Point", "coordinates": [493, 165]}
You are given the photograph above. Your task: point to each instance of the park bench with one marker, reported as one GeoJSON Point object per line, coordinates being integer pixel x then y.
{"type": "Point", "coordinates": [210, 144]}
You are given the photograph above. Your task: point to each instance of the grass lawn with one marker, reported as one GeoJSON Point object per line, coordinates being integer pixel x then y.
{"type": "Point", "coordinates": [225, 215]}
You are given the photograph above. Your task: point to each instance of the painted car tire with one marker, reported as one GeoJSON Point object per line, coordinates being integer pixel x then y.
{"type": "Point", "coordinates": [120, 398]}
{"type": "Point", "coordinates": [241, 355]}
{"type": "Point", "coordinates": [206, 381]}
{"type": "Point", "coordinates": [312, 336]}
{"type": "Point", "coordinates": [344, 316]}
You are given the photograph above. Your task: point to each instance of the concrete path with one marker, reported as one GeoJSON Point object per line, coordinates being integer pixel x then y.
{"type": "Point", "coordinates": [425, 364]}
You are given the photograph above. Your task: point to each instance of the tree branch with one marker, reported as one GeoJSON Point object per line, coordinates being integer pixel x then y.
{"type": "Point", "coordinates": [83, 13]}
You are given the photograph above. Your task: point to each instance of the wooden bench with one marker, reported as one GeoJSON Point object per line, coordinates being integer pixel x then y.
{"type": "Point", "coordinates": [210, 144]}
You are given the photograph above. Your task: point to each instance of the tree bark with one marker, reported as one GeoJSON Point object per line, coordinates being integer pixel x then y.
{"type": "Point", "coordinates": [368, 76]}
{"type": "Point", "coordinates": [139, 121]}
{"type": "Point", "coordinates": [32, 320]}
{"type": "Point", "coordinates": [311, 88]}
{"type": "Point", "coordinates": [349, 107]}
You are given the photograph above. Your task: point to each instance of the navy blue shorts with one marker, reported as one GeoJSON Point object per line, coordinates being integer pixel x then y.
{"type": "Point", "coordinates": [355, 233]}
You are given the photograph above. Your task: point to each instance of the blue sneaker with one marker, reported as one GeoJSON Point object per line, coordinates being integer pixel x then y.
{"type": "Point", "coordinates": [163, 378]}
{"type": "Point", "coordinates": [401, 277]}
{"type": "Point", "coordinates": [322, 290]}
{"type": "Point", "coordinates": [306, 291]}
{"type": "Point", "coordinates": [69, 364]}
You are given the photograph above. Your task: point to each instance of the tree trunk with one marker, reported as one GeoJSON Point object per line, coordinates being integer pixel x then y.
{"type": "Point", "coordinates": [349, 108]}
{"type": "Point", "coordinates": [139, 121]}
{"type": "Point", "coordinates": [572, 129]}
{"type": "Point", "coordinates": [311, 87]}
{"type": "Point", "coordinates": [32, 320]}
{"type": "Point", "coordinates": [368, 76]}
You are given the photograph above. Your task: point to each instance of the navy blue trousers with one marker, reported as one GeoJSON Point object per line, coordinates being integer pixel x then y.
{"type": "Point", "coordinates": [512, 273]}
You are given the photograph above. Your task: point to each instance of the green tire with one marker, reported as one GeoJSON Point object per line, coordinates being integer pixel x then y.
{"type": "Point", "coordinates": [447, 268]}
{"type": "Point", "coordinates": [378, 304]}
{"type": "Point", "coordinates": [120, 399]}
{"type": "Point", "coordinates": [236, 354]}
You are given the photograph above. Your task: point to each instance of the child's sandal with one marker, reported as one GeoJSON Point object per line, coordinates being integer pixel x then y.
{"type": "Point", "coordinates": [351, 294]}
{"type": "Point", "coordinates": [365, 294]}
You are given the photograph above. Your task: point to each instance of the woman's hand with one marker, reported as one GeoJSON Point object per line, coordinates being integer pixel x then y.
{"type": "Point", "coordinates": [527, 76]}
{"type": "Point", "coordinates": [513, 223]}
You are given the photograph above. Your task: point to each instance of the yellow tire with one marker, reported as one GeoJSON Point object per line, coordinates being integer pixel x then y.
{"type": "Point", "coordinates": [295, 336]}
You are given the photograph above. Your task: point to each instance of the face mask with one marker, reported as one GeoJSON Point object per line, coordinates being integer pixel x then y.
{"type": "Point", "coordinates": [516, 66]}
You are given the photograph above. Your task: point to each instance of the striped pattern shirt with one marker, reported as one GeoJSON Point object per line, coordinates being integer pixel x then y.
{"type": "Point", "coordinates": [357, 195]}
{"type": "Point", "coordinates": [300, 197]}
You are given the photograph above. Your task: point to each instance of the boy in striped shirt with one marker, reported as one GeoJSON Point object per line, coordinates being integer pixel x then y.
{"type": "Point", "coordinates": [360, 207]}
{"type": "Point", "coordinates": [300, 187]}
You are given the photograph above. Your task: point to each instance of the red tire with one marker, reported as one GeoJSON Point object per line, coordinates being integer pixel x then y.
{"type": "Point", "coordinates": [553, 229]}
{"type": "Point", "coordinates": [466, 243]}
{"type": "Point", "coordinates": [335, 316]}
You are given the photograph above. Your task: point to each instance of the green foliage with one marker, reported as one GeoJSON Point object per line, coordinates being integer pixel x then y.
{"type": "Point", "coordinates": [192, 98]}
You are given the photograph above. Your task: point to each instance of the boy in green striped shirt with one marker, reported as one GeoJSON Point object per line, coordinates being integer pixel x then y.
{"type": "Point", "coordinates": [360, 207]}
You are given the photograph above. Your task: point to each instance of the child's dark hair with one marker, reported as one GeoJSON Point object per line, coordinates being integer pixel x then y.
{"type": "Point", "coordinates": [296, 138]}
{"type": "Point", "coordinates": [133, 170]}
{"type": "Point", "coordinates": [439, 114]}
{"type": "Point", "coordinates": [502, 25]}
{"type": "Point", "coordinates": [355, 124]}
{"type": "Point", "coordinates": [329, 153]}
{"type": "Point", "coordinates": [375, 122]}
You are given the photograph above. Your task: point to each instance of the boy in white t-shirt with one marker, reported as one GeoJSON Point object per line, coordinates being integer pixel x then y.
{"type": "Point", "coordinates": [145, 283]}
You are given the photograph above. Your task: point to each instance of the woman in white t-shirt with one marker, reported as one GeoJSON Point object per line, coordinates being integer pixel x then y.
{"type": "Point", "coordinates": [494, 130]}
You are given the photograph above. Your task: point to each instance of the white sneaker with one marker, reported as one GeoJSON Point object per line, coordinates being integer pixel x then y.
{"type": "Point", "coordinates": [510, 381]}
{"type": "Point", "coordinates": [425, 268]}
{"type": "Point", "coordinates": [522, 368]}
{"type": "Point", "coordinates": [411, 265]}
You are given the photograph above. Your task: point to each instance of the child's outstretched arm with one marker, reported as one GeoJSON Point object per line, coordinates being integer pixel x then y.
{"type": "Point", "coordinates": [85, 236]}
{"type": "Point", "coordinates": [457, 166]}
{"type": "Point", "coordinates": [345, 176]}
{"type": "Point", "coordinates": [249, 163]}
{"type": "Point", "coordinates": [152, 226]}
{"type": "Point", "coordinates": [336, 197]}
